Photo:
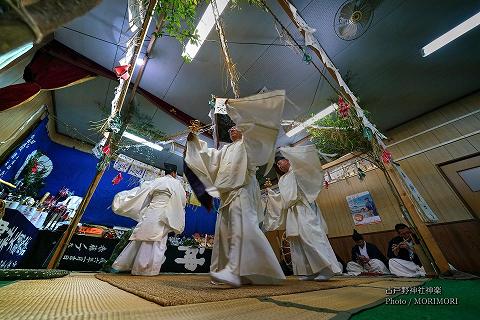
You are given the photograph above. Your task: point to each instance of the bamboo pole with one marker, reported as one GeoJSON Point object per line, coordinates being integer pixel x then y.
{"type": "Point", "coordinates": [439, 259]}
{"type": "Point", "coordinates": [68, 234]}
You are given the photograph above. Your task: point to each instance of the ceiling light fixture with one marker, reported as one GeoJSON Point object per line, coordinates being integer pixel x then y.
{"type": "Point", "coordinates": [205, 25]}
{"type": "Point", "coordinates": [322, 114]}
{"type": "Point", "coordinates": [451, 35]}
{"type": "Point", "coordinates": [135, 138]}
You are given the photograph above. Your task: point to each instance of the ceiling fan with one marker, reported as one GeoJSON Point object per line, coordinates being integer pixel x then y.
{"type": "Point", "coordinates": [353, 19]}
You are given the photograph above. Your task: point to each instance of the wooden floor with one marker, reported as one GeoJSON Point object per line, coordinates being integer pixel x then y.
{"type": "Point", "coordinates": [82, 296]}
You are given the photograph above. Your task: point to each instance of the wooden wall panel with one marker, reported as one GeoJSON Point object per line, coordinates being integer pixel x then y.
{"type": "Point", "coordinates": [421, 168]}
{"type": "Point", "coordinates": [459, 241]}
{"type": "Point", "coordinates": [333, 204]}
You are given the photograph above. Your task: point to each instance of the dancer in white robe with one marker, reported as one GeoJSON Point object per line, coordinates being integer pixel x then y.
{"type": "Point", "coordinates": [312, 255]}
{"type": "Point", "coordinates": [161, 203]}
{"type": "Point", "coordinates": [241, 252]}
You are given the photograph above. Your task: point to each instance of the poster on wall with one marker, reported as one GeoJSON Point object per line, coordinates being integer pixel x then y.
{"type": "Point", "coordinates": [363, 208]}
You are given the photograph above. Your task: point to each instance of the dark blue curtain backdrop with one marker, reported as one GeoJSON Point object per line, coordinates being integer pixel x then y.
{"type": "Point", "coordinates": [75, 170]}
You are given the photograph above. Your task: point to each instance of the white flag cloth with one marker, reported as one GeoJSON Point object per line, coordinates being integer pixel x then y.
{"type": "Point", "coordinates": [258, 117]}
{"type": "Point", "coordinates": [307, 169]}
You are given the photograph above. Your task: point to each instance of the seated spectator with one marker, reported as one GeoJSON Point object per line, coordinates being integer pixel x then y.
{"type": "Point", "coordinates": [366, 257]}
{"type": "Point", "coordinates": [404, 262]}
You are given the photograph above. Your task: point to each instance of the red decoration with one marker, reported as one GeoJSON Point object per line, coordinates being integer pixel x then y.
{"type": "Point", "coordinates": [122, 71]}
{"type": "Point", "coordinates": [343, 107]}
{"type": "Point", "coordinates": [106, 150]}
{"type": "Point", "coordinates": [326, 184]}
{"type": "Point", "coordinates": [35, 168]}
{"type": "Point", "coordinates": [386, 156]}
{"type": "Point", "coordinates": [117, 179]}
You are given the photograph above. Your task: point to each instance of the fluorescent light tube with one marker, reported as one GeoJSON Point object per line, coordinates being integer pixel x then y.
{"type": "Point", "coordinates": [205, 25]}
{"type": "Point", "coordinates": [451, 35]}
{"type": "Point", "coordinates": [322, 114]}
{"type": "Point", "coordinates": [135, 138]}
{"type": "Point", "coordinates": [11, 55]}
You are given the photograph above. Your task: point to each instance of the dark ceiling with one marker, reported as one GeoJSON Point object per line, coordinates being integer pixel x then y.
{"type": "Point", "coordinates": [394, 83]}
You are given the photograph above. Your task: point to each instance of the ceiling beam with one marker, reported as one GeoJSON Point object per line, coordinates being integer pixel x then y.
{"type": "Point", "coordinates": [60, 51]}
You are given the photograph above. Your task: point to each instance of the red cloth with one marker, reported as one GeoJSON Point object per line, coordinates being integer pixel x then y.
{"type": "Point", "coordinates": [44, 72]}
{"type": "Point", "coordinates": [17, 93]}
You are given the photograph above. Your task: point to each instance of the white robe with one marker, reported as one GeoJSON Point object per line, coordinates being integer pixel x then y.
{"type": "Point", "coordinates": [240, 246]}
{"type": "Point", "coordinates": [162, 211]}
{"type": "Point", "coordinates": [373, 266]}
{"type": "Point", "coordinates": [404, 268]}
{"type": "Point", "coordinates": [310, 249]}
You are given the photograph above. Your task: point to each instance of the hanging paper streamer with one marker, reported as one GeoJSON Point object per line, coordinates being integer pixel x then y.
{"type": "Point", "coordinates": [426, 213]}
{"type": "Point", "coordinates": [117, 179]}
{"type": "Point", "coordinates": [311, 41]}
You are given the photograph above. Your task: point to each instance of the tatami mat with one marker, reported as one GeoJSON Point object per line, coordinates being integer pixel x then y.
{"type": "Point", "coordinates": [170, 290]}
{"type": "Point", "coordinates": [74, 295]}
{"type": "Point", "coordinates": [82, 296]}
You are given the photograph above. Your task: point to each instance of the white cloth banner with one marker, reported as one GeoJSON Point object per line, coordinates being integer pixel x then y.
{"type": "Point", "coordinates": [426, 213]}
{"type": "Point", "coordinates": [122, 163]}
{"type": "Point", "coordinates": [220, 106]}
{"type": "Point", "coordinates": [137, 169]}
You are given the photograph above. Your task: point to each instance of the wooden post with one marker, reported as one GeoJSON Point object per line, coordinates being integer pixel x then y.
{"type": "Point", "coordinates": [427, 237]}
{"type": "Point", "coordinates": [68, 234]}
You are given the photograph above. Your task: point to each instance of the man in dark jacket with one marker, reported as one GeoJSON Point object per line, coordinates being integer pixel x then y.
{"type": "Point", "coordinates": [366, 257]}
{"type": "Point", "coordinates": [404, 262]}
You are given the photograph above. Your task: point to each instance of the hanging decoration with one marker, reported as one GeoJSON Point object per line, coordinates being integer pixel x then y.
{"type": "Point", "coordinates": [117, 179]}
{"type": "Point", "coordinates": [386, 156]}
{"type": "Point", "coordinates": [360, 173]}
{"type": "Point", "coordinates": [367, 133]}
{"type": "Point", "coordinates": [326, 184]}
{"type": "Point", "coordinates": [306, 57]}
{"type": "Point", "coordinates": [106, 150]}
{"type": "Point", "coordinates": [103, 163]}
{"type": "Point", "coordinates": [211, 102]}
{"type": "Point", "coordinates": [343, 107]}
{"type": "Point", "coordinates": [311, 41]}
{"type": "Point", "coordinates": [230, 66]}
{"type": "Point", "coordinates": [122, 71]}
